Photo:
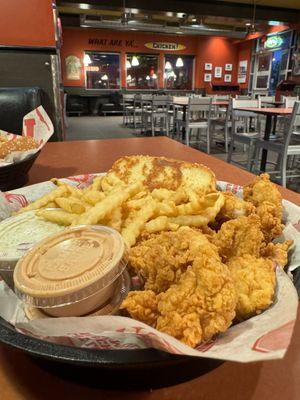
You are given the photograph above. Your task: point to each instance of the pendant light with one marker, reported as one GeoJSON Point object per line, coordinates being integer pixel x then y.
{"type": "Point", "coordinates": [128, 79]}
{"type": "Point", "coordinates": [168, 66]}
{"type": "Point", "coordinates": [87, 60]}
{"type": "Point", "coordinates": [147, 78]}
{"type": "Point", "coordinates": [128, 65]}
{"type": "Point", "coordinates": [154, 76]}
{"type": "Point", "coordinates": [179, 62]}
{"type": "Point", "coordinates": [135, 62]}
{"type": "Point", "coordinates": [104, 77]}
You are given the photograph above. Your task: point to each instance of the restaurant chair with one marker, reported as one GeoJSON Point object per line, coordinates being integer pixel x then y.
{"type": "Point", "coordinates": [240, 129]}
{"type": "Point", "coordinates": [156, 114]}
{"type": "Point", "coordinates": [198, 117]}
{"type": "Point", "coordinates": [128, 108]}
{"type": "Point", "coordinates": [267, 101]}
{"type": "Point", "coordinates": [289, 101]}
{"type": "Point", "coordinates": [243, 97]}
{"type": "Point", "coordinates": [288, 147]}
{"type": "Point", "coordinates": [222, 123]}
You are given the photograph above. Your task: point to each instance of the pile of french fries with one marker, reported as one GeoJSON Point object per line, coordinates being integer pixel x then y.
{"type": "Point", "coordinates": [130, 209]}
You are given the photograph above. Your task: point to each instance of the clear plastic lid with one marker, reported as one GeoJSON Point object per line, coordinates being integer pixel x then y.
{"type": "Point", "coordinates": [20, 233]}
{"type": "Point", "coordinates": [109, 308]}
{"type": "Point", "coordinates": [70, 266]}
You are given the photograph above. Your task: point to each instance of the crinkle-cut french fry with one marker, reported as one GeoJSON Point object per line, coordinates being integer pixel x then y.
{"type": "Point", "coordinates": [96, 184]}
{"type": "Point", "coordinates": [93, 197]}
{"type": "Point", "coordinates": [52, 204]}
{"type": "Point", "coordinates": [115, 220]}
{"type": "Point", "coordinates": [109, 183]}
{"type": "Point", "coordinates": [72, 190]}
{"type": "Point", "coordinates": [57, 216]}
{"type": "Point", "coordinates": [136, 221]}
{"type": "Point", "coordinates": [57, 182]}
{"type": "Point", "coordinates": [161, 223]}
{"type": "Point", "coordinates": [162, 194]}
{"type": "Point", "coordinates": [208, 208]}
{"type": "Point", "coordinates": [136, 204]}
{"type": "Point", "coordinates": [167, 208]}
{"type": "Point", "coordinates": [113, 199]}
{"type": "Point", "coordinates": [47, 198]}
{"type": "Point", "coordinates": [199, 206]}
{"type": "Point", "coordinates": [71, 204]}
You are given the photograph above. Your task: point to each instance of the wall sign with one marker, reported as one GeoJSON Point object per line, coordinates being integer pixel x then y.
{"type": "Point", "coordinates": [218, 72]}
{"type": "Point", "coordinates": [73, 67]}
{"type": "Point", "coordinates": [111, 42]}
{"type": "Point", "coordinates": [273, 41]}
{"type": "Point", "coordinates": [242, 71]}
{"type": "Point", "coordinates": [165, 46]}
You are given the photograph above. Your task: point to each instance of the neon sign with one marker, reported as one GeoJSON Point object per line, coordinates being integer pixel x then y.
{"type": "Point", "coordinates": [273, 41]}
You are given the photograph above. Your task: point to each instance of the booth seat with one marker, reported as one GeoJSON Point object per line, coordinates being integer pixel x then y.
{"type": "Point", "coordinates": [15, 103]}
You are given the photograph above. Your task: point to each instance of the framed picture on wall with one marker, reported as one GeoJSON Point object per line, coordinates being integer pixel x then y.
{"type": "Point", "coordinates": [227, 78]}
{"type": "Point", "coordinates": [207, 77]}
{"type": "Point", "coordinates": [218, 72]}
{"type": "Point", "coordinates": [228, 67]}
{"type": "Point", "coordinates": [208, 66]}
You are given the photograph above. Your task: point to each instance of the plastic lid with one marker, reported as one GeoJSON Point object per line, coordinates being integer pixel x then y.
{"type": "Point", "coordinates": [110, 308]}
{"type": "Point", "coordinates": [70, 266]}
{"type": "Point", "coordinates": [20, 233]}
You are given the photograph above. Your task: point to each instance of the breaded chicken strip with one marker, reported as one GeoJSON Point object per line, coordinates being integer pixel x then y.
{"type": "Point", "coordinates": [142, 305]}
{"type": "Point", "coordinates": [278, 252]}
{"type": "Point", "coordinates": [239, 237]}
{"type": "Point", "coordinates": [201, 305]}
{"type": "Point", "coordinates": [265, 196]}
{"type": "Point", "coordinates": [234, 207]}
{"type": "Point", "coordinates": [254, 280]}
{"type": "Point", "coordinates": [162, 258]}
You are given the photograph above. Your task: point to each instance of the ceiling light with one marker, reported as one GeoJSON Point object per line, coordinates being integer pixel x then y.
{"type": "Point", "coordinates": [168, 66]}
{"type": "Point", "coordinates": [135, 62]}
{"type": "Point", "coordinates": [104, 77]}
{"type": "Point", "coordinates": [194, 19]}
{"type": "Point", "coordinates": [248, 23]}
{"type": "Point", "coordinates": [154, 76]}
{"type": "Point", "coordinates": [128, 78]}
{"type": "Point", "coordinates": [179, 62]}
{"type": "Point", "coordinates": [128, 65]}
{"type": "Point", "coordinates": [87, 60]}
{"type": "Point", "coordinates": [274, 23]}
{"type": "Point", "coordinates": [147, 78]}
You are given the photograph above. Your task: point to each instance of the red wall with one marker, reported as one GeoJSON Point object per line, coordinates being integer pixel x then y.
{"type": "Point", "coordinates": [215, 50]}
{"type": "Point", "coordinates": [27, 23]}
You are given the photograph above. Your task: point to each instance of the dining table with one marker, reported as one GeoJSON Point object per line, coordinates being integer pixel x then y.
{"type": "Point", "coordinates": [22, 378]}
{"type": "Point", "coordinates": [271, 114]}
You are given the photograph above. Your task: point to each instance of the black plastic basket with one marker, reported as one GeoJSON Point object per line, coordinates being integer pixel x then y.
{"type": "Point", "coordinates": [16, 175]}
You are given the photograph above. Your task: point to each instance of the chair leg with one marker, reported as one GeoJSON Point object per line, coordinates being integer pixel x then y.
{"type": "Point", "coordinates": [208, 140]}
{"type": "Point", "coordinates": [187, 136]}
{"type": "Point", "coordinates": [230, 150]}
{"type": "Point", "coordinates": [283, 170]}
{"type": "Point", "coordinates": [226, 138]}
{"type": "Point", "coordinates": [152, 125]}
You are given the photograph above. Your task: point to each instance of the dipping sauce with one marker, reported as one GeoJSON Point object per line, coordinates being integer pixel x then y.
{"type": "Point", "coordinates": [17, 235]}
{"type": "Point", "coordinates": [71, 273]}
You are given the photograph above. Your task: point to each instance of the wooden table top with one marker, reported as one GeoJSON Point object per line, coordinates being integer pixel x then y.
{"type": "Point", "coordinates": [23, 379]}
{"type": "Point", "coordinates": [268, 110]}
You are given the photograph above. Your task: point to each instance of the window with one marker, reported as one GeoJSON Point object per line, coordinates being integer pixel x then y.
{"type": "Point", "coordinates": [141, 71]}
{"type": "Point", "coordinates": [102, 70]}
{"type": "Point", "coordinates": [179, 72]}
